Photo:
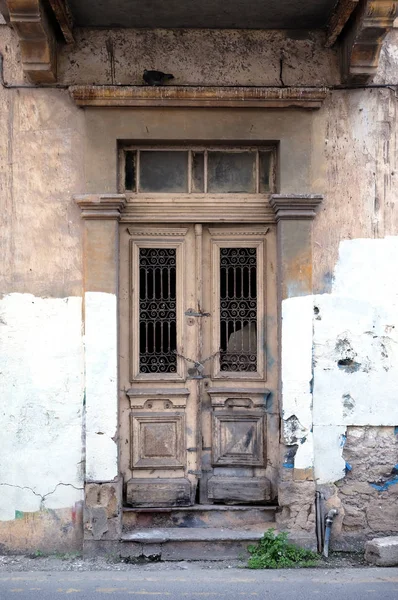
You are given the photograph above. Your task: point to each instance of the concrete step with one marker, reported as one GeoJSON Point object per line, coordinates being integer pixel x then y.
{"type": "Point", "coordinates": [198, 516]}
{"type": "Point", "coordinates": [191, 543]}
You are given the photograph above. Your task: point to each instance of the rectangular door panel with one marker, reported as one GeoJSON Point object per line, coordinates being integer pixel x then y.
{"type": "Point", "coordinates": [239, 490]}
{"type": "Point", "coordinates": [158, 492]}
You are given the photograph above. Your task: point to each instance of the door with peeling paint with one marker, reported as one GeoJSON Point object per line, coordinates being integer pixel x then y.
{"type": "Point", "coordinates": [199, 416]}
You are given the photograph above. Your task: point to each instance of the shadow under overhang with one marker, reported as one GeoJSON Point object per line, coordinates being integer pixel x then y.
{"type": "Point", "coordinates": [213, 14]}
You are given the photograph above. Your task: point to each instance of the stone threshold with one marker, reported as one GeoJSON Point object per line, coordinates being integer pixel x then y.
{"type": "Point", "coordinates": [199, 534]}
{"type": "Point", "coordinates": [202, 508]}
{"type": "Point", "coordinates": [198, 96]}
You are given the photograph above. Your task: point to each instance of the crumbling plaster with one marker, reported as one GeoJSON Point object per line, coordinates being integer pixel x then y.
{"type": "Point", "coordinates": [356, 324]}
{"type": "Point", "coordinates": [41, 360]}
{"type": "Point", "coordinates": [355, 163]}
{"type": "Point", "coordinates": [340, 356]}
{"type": "Point", "coordinates": [101, 386]}
{"type": "Point", "coordinates": [42, 363]}
{"type": "Point", "coordinates": [387, 71]}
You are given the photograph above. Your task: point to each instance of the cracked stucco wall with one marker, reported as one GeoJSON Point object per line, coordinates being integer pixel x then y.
{"type": "Point", "coordinates": [41, 467]}
{"type": "Point", "coordinates": [355, 350]}
{"type": "Point", "coordinates": [345, 150]}
{"type": "Point", "coordinates": [199, 57]}
{"type": "Point", "coordinates": [41, 363]}
{"type": "Point", "coordinates": [340, 381]}
{"type": "Point", "coordinates": [339, 345]}
{"type": "Point", "coordinates": [340, 356]}
{"type": "Point", "coordinates": [41, 341]}
{"type": "Point", "coordinates": [101, 386]}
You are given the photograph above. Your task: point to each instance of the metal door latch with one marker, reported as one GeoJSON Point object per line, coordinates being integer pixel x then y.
{"type": "Point", "coordinates": [196, 313]}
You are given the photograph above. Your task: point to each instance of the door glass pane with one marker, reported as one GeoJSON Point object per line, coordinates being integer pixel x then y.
{"type": "Point", "coordinates": [231, 172]}
{"type": "Point", "coordinates": [238, 309]}
{"type": "Point", "coordinates": [158, 317]}
{"type": "Point", "coordinates": [163, 171]}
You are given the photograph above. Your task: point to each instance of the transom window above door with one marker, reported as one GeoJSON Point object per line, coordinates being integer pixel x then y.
{"type": "Point", "coordinates": [198, 170]}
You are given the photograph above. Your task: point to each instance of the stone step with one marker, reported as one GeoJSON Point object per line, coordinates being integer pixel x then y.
{"type": "Point", "coordinates": [198, 516]}
{"type": "Point", "coordinates": [382, 552]}
{"type": "Point", "coordinates": [189, 543]}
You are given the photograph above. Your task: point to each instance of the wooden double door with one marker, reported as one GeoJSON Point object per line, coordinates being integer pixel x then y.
{"type": "Point", "coordinates": [198, 355]}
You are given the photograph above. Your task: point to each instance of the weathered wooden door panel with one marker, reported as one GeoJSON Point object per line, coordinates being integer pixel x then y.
{"type": "Point", "coordinates": [159, 465]}
{"type": "Point", "coordinates": [201, 311]}
{"type": "Point", "coordinates": [240, 289]}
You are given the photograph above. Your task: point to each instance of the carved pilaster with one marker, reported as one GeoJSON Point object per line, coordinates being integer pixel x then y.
{"type": "Point", "coordinates": [361, 46]}
{"type": "Point", "coordinates": [294, 215]}
{"type": "Point", "coordinates": [295, 206]}
{"type": "Point", "coordinates": [101, 206]}
{"type": "Point", "coordinates": [37, 40]}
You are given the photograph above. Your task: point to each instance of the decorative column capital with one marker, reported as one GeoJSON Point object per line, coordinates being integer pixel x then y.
{"type": "Point", "coordinates": [363, 39]}
{"type": "Point", "coordinates": [37, 39]}
{"type": "Point", "coordinates": [295, 206]}
{"type": "Point", "coordinates": [101, 206]}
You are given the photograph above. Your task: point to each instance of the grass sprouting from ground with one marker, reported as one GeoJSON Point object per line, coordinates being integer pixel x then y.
{"type": "Point", "coordinates": [274, 551]}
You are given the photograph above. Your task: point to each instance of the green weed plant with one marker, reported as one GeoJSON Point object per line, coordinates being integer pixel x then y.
{"type": "Point", "coordinates": [273, 551]}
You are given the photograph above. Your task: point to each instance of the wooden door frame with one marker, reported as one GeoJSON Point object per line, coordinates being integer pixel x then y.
{"type": "Point", "coordinates": [102, 213]}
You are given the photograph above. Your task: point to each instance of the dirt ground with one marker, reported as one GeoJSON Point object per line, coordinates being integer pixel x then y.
{"type": "Point", "coordinates": [74, 562]}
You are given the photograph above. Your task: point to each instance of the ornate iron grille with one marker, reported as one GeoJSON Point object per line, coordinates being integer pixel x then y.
{"type": "Point", "coordinates": [158, 317]}
{"type": "Point", "coordinates": [238, 309]}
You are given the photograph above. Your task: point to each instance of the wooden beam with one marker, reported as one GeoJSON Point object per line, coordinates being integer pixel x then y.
{"type": "Point", "coordinates": [63, 15]}
{"type": "Point", "coordinates": [342, 12]}
{"type": "Point", "coordinates": [37, 40]}
{"type": "Point", "coordinates": [362, 42]}
{"type": "Point", "coordinates": [4, 11]}
{"type": "Point", "coordinates": [168, 96]}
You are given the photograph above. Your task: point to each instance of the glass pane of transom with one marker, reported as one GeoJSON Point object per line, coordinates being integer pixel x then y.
{"type": "Point", "coordinates": [238, 309]}
{"type": "Point", "coordinates": [265, 172]}
{"type": "Point", "coordinates": [198, 172]}
{"type": "Point", "coordinates": [130, 177]}
{"type": "Point", "coordinates": [231, 172]}
{"type": "Point", "coordinates": [163, 171]}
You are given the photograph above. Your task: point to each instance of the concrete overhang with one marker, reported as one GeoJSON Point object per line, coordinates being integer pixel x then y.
{"type": "Point", "coordinates": [358, 26]}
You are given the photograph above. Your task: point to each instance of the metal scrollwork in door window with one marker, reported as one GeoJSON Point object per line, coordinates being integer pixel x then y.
{"type": "Point", "coordinates": [157, 310]}
{"type": "Point", "coordinates": [238, 309]}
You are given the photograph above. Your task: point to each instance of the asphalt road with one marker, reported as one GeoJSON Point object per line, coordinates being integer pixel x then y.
{"type": "Point", "coordinates": [194, 584]}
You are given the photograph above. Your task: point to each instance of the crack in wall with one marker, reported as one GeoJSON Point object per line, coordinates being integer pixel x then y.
{"type": "Point", "coordinates": [41, 496]}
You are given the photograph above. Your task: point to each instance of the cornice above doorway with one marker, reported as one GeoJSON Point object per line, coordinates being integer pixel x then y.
{"type": "Point", "coordinates": [185, 97]}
